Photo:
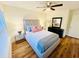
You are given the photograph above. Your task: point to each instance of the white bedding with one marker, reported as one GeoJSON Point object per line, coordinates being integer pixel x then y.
{"type": "Point", "coordinates": [33, 39]}
{"type": "Point", "coordinates": [38, 35]}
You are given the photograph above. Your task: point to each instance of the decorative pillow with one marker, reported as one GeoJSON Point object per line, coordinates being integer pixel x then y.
{"type": "Point", "coordinates": [36, 28]}
{"type": "Point", "coordinates": [29, 28]}
{"type": "Point", "coordinates": [39, 28]}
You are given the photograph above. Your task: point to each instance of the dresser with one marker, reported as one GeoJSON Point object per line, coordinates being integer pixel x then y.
{"type": "Point", "coordinates": [56, 30]}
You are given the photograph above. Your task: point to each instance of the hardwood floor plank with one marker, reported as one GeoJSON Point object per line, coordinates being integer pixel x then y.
{"type": "Point", "coordinates": [29, 54]}
{"type": "Point", "coordinates": [34, 56]}
{"type": "Point", "coordinates": [68, 48]}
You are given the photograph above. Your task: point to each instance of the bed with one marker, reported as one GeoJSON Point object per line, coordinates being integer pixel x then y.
{"type": "Point", "coordinates": [42, 42]}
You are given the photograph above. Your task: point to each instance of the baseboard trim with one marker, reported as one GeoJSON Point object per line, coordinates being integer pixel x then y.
{"type": "Point", "coordinates": [71, 37]}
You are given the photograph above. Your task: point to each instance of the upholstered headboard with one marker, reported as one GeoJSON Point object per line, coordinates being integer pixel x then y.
{"type": "Point", "coordinates": [30, 22]}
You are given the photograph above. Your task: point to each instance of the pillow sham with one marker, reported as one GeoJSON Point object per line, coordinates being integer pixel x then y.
{"type": "Point", "coordinates": [39, 28]}
{"type": "Point", "coordinates": [36, 28]}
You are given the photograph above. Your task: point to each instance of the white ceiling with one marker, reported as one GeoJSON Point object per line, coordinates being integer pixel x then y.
{"type": "Point", "coordinates": [34, 4]}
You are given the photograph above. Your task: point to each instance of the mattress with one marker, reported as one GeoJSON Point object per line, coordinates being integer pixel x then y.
{"type": "Point", "coordinates": [41, 41]}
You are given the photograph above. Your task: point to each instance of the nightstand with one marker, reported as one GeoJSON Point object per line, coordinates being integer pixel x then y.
{"type": "Point", "coordinates": [19, 36]}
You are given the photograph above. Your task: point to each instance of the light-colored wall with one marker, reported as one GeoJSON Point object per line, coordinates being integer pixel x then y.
{"type": "Point", "coordinates": [59, 13]}
{"type": "Point", "coordinates": [73, 29]}
{"type": "Point", "coordinates": [69, 21]}
{"type": "Point", "coordinates": [14, 18]}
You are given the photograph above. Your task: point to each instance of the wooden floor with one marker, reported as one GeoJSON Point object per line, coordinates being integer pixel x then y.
{"type": "Point", "coordinates": [68, 48]}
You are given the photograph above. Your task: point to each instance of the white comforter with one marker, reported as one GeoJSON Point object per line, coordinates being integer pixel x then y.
{"type": "Point", "coordinates": [41, 40]}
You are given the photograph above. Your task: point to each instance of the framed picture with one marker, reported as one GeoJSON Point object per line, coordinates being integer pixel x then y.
{"type": "Point", "coordinates": [56, 22]}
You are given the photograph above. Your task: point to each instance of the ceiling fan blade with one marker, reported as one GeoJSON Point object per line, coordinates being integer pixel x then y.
{"type": "Point", "coordinates": [42, 7]}
{"type": "Point", "coordinates": [57, 5]}
{"type": "Point", "coordinates": [52, 9]}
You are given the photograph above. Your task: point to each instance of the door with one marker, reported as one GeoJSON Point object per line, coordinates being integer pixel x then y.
{"type": "Point", "coordinates": [74, 27]}
{"type": "Point", "coordinates": [4, 41]}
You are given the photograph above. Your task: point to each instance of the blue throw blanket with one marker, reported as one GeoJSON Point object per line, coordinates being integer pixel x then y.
{"type": "Point", "coordinates": [41, 47]}
{"type": "Point", "coordinates": [44, 44]}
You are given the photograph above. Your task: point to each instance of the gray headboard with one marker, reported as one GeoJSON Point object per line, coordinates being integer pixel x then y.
{"type": "Point", "coordinates": [30, 22]}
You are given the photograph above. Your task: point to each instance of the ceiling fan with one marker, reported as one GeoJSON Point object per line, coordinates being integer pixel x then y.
{"type": "Point", "coordinates": [50, 5]}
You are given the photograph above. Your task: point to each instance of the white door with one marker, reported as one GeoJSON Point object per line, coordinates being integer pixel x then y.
{"type": "Point", "coordinates": [4, 41]}
{"type": "Point", "coordinates": [74, 27]}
